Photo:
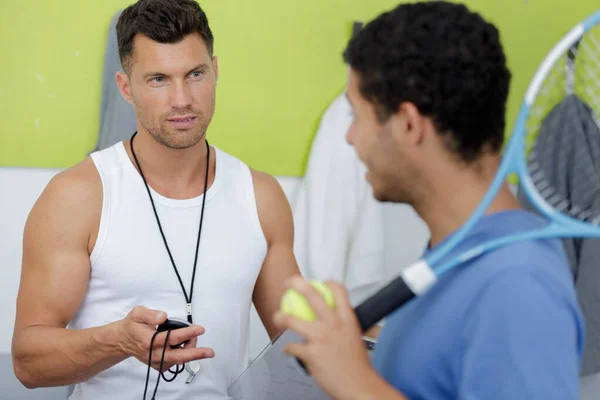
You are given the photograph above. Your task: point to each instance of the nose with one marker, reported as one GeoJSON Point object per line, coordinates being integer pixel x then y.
{"type": "Point", "coordinates": [181, 95]}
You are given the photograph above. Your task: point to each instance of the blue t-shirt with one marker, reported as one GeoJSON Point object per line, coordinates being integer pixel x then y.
{"type": "Point", "coordinates": [506, 326]}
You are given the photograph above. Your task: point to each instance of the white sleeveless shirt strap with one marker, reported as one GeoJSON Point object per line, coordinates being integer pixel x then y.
{"type": "Point", "coordinates": [252, 209]}
{"type": "Point", "coordinates": [105, 214]}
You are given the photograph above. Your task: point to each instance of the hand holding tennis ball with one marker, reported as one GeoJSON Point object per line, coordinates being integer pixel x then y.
{"type": "Point", "coordinates": [295, 304]}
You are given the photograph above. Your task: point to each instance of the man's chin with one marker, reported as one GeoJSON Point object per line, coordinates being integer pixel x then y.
{"type": "Point", "coordinates": [180, 140]}
{"type": "Point", "coordinates": [383, 196]}
{"type": "Point", "coordinates": [380, 196]}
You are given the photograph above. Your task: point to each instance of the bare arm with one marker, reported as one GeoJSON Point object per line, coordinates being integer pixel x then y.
{"type": "Point", "coordinates": [58, 237]}
{"type": "Point", "coordinates": [54, 276]}
{"type": "Point", "coordinates": [277, 223]}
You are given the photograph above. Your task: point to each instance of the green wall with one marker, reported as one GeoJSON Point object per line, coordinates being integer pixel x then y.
{"type": "Point", "coordinates": [280, 67]}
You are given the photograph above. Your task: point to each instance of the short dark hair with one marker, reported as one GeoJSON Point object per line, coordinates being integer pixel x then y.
{"type": "Point", "coordinates": [447, 61]}
{"type": "Point", "coordinates": [163, 21]}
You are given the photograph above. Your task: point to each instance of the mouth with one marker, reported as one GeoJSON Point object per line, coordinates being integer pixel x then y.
{"type": "Point", "coordinates": [185, 122]}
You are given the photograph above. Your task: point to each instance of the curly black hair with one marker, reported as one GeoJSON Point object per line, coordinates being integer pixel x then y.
{"type": "Point", "coordinates": [163, 21]}
{"type": "Point", "coordinates": [444, 59]}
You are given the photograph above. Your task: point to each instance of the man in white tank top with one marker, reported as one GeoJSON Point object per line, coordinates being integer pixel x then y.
{"type": "Point", "coordinates": [161, 225]}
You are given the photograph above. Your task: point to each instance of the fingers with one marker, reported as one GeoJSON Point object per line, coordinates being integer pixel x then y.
{"type": "Point", "coordinates": [180, 356]}
{"type": "Point", "coordinates": [297, 350]}
{"type": "Point", "coordinates": [191, 343]}
{"type": "Point", "coordinates": [182, 335]}
{"type": "Point", "coordinates": [314, 298]}
{"type": "Point", "coordinates": [179, 336]}
{"type": "Point", "coordinates": [306, 329]}
{"type": "Point", "coordinates": [147, 316]}
{"type": "Point", "coordinates": [342, 302]}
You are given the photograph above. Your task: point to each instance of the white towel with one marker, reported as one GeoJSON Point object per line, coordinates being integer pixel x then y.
{"type": "Point", "coordinates": [339, 230]}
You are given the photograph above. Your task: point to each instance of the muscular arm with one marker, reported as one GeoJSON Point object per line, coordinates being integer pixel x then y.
{"type": "Point", "coordinates": [59, 236]}
{"type": "Point", "coordinates": [54, 276]}
{"type": "Point", "coordinates": [277, 223]}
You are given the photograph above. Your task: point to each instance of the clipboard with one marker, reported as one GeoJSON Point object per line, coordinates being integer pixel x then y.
{"type": "Point", "coordinates": [273, 375]}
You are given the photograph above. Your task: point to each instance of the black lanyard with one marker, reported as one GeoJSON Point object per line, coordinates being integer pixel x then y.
{"type": "Point", "coordinates": [187, 299]}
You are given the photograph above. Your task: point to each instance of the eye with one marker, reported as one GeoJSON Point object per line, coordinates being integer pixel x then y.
{"type": "Point", "coordinates": [197, 74]}
{"type": "Point", "coordinates": [157, 79]}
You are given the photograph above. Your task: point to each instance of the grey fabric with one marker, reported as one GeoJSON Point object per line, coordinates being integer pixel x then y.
{"type": "Point", "coordinates": [117, 117]}
{"type": "Point", "coordinates": [568, 150]}
{"type": "Point", "coordinates": [588, 291]}
{"type": "Point", "coordinates": [590, 387]}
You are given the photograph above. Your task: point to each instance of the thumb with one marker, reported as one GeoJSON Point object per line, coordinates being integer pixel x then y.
{"type": "Point", "coordinates": [147, 316]}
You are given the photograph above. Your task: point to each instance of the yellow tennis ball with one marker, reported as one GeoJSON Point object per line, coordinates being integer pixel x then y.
{"type": "Point", "coordinates": [293, 303]}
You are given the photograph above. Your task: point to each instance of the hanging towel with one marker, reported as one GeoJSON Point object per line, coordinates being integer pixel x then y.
{"type": "Point", "coordinates": [338, 223]}
{"type": "Point", "coordinates": [568, 149]}
{"type": "Point", "coordinates": [117, 117]}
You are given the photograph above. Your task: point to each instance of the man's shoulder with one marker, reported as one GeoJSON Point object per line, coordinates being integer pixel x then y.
{"type": "Point", "coordinates": [73, 196]}
{"type": "Point", "coordinates": [536, 272]}
{"type": "Point", "coordinates": [270, 197]}
{"type": "Point", "coordinates": [80, 181]}
{"type": "Point", "coordinates": [264, 181]}
{"type": "Point", "coordinates": [544, 258]}
{"type": "Point", "coordinates": [517, 283]}
{"type": "Point", "coordinates": [71, 202]}
{"type": "Point", "coordinates": [540, 257]}
{"type": "Point", "coordinates": [273, 207]}
{"type": "Point", "coordinates": [267, 190]}
{"type": "Point", "coordinates": [540, 262]}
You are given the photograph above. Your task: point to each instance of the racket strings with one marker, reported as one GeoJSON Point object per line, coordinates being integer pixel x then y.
{"type": "Point", "coordinates": [555, 116]}
{"type": "Point", "coordinates": [587, 69]}
{"type": "Point", "coordinates": [588, 77]}
{"type": "Point", "coordinates": [554, 198]}
{"type": "Point", "coordinates": [548, 97]}
{"type": "Point", "coordinates": [583, 71]}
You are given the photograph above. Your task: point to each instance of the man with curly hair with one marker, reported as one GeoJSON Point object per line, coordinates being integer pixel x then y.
{"type": "Point", "coordinates": [428, 87]}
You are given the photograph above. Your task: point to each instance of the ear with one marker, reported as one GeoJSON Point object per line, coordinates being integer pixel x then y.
{"type": "Point", "coordinates": [413, 129]}
{"type": "Point", "coordinates": [124, 86]}
{"type": "Point", "coordinates": [215, 62]}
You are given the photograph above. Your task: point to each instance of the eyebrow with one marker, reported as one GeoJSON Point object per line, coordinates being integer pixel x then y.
{"type": "Point", "coordinates": [155, 74]}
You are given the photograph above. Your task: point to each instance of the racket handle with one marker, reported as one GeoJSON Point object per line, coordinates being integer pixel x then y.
{"type": "Point", "coordinates": [383, 303]}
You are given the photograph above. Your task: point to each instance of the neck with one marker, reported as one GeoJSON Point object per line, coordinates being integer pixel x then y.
{"type": "Point", "coordinates": [454, 194]}
{"type": "Point", "coordinates": [174, 173]}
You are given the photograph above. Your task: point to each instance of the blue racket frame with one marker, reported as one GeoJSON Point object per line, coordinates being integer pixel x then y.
{"type": "Point", "coordinates": [419, 277]}
{"type": "Point", "coordinates": [514, 161]}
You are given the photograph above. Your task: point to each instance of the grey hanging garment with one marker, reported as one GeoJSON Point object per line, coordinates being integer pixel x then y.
{"type": "Point", "coordinates": [117, 117]}
{"type": "Point", "coordinates": [568, 150]}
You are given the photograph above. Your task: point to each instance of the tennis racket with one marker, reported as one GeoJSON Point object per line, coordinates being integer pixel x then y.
{"type": "Point", "coordinates": [573, 64]}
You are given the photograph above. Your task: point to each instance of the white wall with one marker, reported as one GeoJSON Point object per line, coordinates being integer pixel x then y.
{"type": "Point", "coordinates": [20, 187]}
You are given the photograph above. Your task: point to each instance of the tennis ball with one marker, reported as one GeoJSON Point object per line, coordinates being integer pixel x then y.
{"type": "Point", "coordinates": [293, 303]}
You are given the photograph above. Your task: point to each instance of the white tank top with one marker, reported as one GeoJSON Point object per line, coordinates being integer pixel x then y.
{"type": "Point", "coordinates": [130, 266]}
